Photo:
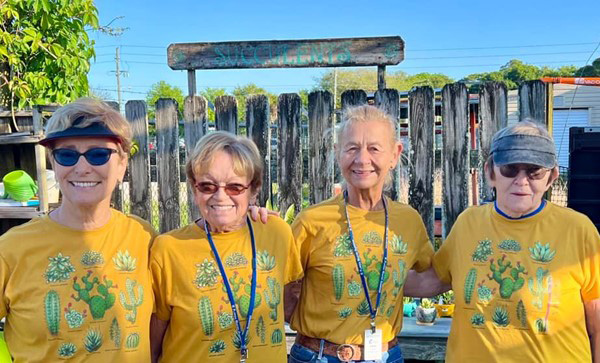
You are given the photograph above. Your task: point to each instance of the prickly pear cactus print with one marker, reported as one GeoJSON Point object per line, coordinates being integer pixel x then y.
{"type": "Point", "coordinates": [338, 281]}
{"type": "Point", "coordinates": [206, 316]}
{"type": "Point", "coordinates": [507, 284]}
{"type": "Point", "coordinates": [483, 251]}
{"type": "Point", "coordinates": [67, 350]}
{"type": "Point", "coordinates": [372, 238]}
{"type": "Point", "coordinates": [59, 269]}
{"type": "Point", "coordinates": [92, 258]}
{"type": "Point", "coordinates": [236, 259]}
{"type": "Point", "coordinates": [218, 346]}
{"type": "Point", "coordinates": [344, 312]}
{"type": "Point", "coordinates": [206, 274]}
{"type": "Point", "coordinates": [99, 303]}
{"type": "Point", "coordinates": [52, 310]}
{"type": "Point", "coordinates": [73, 317]}
{"type": "Point", "coordinates": [470, 285]}
{"type": "Point", "coordinates": [343, 247]}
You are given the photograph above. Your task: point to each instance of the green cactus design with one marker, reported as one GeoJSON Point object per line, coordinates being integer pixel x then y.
{"type": "Point", "coordinates": [522, 313]}
{"type": "Point", "coordinates": [484, 293]}
{"type": "Point", "coordinates": [477, 319]}
{"type": "Point", "coordinates": [98, 304]}
{"type": "Point", "coordinates": [541, 326]}
{"type": "Point", "coordinates": [538, 287]}
{"type": "Point", "coordinates": [276, 336]}
{"type": "Point", "coordinates": [92, 258]}
{"type": "Point", "coordinates": [132, 341]}
{"type": "Point", "coordinates": [470, 285]}
{"type": "Point", "coordinates": [483, 251]}
{"type": "Point", "coordinates": [338, 281]}
{"type": "Point", "coordinates": [59, 269]}
{"type": "Point", "coordinates": [217, 346]}
{"type": "Point", "coordinates": [372, 270]}
{"type": "Point", "coordinates": [501, 317]}
{"type": "Point", "coordinates": [206, 274]}
{"type": "Point", "coordinates": [73, 317]}
{"type": "Point", "coordinates": [510, 245]}
{"type": "Point", "coordinates": [243, 301]}
{"type": "Point", "coordinates": [133, 302]}
{"type": "Point", "coordinates": [124, 261]}
{"type": "Point", "coordinates": [115, 333]}
{"type": "Point", "coordinates": [372, 238]}
{"type": "Point", "coordinates": [236, 259]}
{"type": "Point", "coordinates": [237, 340]}
{"type": "Point", "coordinates": [52, 309]}
{"type": "Point", "coordinates": [273, 296]}
{"type": "Point", "coordinates": [354, 288]}
{"type": "Point", "coordinates": [542, 253]}
{"type": "Point", "coordinates": [398, 246]}
{"type": "Point", "coordinates": [344, 312]}
{"type": "Point", "coordinates": [399, 278]}
{"type": "Point", "coordinates": [261, 330]}
{"type": "Point", "coordinates": [224, 318]}
{"type": "Point", "coordinates": [343, 247]}
{"type": "Point", "coordinates": [67, 350]}
{"type": "Point", "coordinates": [264, 261]}
{"type": "Point", "coordinates": [93, 340]}
{"type": "Point", "coordinates": [206, 316]}
{"type": "Point", "coordinates": [390, 311]}
{"type": "Point", "coordinates": [508, 285]}
{"type": "Point", "coordinates": [363, 308]}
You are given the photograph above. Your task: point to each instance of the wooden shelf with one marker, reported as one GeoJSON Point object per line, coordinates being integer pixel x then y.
{"type": "Point", "coordinates": [19, 212]}
{"type": "Point", "coordinates": [19, 138]}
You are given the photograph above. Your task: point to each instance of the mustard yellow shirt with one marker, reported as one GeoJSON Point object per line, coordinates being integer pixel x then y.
{"type": "Point", "coordinates": [190, 293]}
{"type": "Point", "coordinates": [332, 303]}
{"type": "Point", "coordinates": [520, 285]}
{"type": "Point", "coordinates": [77, 295]}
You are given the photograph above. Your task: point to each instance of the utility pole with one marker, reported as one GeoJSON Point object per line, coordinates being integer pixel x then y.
{"type": "Point", "coordinates": [118, 74]}
{"type": "Point", "coordinates": [334, 88]}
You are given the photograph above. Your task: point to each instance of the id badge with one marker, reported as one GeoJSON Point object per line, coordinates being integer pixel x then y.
{"type": "Point", "coordinates": [373, 344]}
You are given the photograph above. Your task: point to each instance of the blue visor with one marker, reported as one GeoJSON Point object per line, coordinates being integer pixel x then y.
{"type": "Point", "coordinates": [96, 129]}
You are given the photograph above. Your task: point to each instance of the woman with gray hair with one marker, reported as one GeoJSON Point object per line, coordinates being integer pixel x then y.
{"type": "Point", "coordinates": [525, 272]}
{"type": "Point", "coordinates": [61, 274]}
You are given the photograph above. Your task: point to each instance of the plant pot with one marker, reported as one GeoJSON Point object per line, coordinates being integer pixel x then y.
{"type": "Point", "coordinates": [426, 316]}
{"type": "Point", "coordinates": [444, 310]}
{"type": "Point", "coordinates": [409, 309]}
{"type": "Point", "coordinates": [19, 186]}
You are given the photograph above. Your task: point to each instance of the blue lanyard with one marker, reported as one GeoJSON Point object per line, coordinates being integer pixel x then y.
{"type": "Point", "coordinates": [243, 334]}
{"type": "Point", "coordinates": [361, 272]}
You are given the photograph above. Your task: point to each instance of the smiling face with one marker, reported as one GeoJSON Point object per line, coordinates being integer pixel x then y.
{"type": "Point", "coordinates": [366, 154]}
{"type": "Point", "coordinates": [224, 213]}
{"type": "Point", "coordinates": [84, 185]}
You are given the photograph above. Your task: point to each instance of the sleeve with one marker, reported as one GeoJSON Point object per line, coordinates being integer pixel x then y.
{"type": "Point", "coordinates": [293, 268]}
{"type": "Point", "coordinates": [591, 284]}
{"type": "Point", "coordinates": [425, 249]}
{"type": "Point", "coordinates": [161, 282]}
{"type": "Point", "coordinates": [4, 276]}
{"type": "Point", "coordinates": [442, 258]}
{"type": "Point", "coordinates": [302, 239]}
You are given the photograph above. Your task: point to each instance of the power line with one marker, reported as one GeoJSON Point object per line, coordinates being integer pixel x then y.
{"type": "Point", "coordinates": [484, 65]}
{"type": "Point", "coordinates": [503, 47]}
{"type": "Point", "coordinates": [496, 55]}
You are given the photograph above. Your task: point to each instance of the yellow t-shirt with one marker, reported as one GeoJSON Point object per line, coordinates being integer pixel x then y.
{"type": "Point", "coordinates": [332, 303]}
{"type": "Point", "coordinates": [77, 295]}
{"type": "Point", "coordinates": [190, 293]}
{"type": "Point", "coordinates": [520, 285]}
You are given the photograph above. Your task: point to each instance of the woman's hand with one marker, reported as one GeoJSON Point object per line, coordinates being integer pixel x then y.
{"type": "Point", "coordinates": [261, 212]}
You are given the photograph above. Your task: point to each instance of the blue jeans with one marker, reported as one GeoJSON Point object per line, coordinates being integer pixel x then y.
{"type": "Point", "coordinates": [301, 354]}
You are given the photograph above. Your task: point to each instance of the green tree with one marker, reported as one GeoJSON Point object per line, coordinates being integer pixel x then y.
{"type": "Point", "coordinates": [45, 51]}
{"type": "Point", "coordinates": [162, 89]}
{"type": "Point", "coordinates": [242, 92]}
{"type": "Point", "coordinates": [592, 70]}
{"type": "Point", "coordinates": [211, 95]}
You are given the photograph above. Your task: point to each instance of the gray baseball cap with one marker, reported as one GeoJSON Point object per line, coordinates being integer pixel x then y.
{"type": "Point", "coordinates": [511, 147]}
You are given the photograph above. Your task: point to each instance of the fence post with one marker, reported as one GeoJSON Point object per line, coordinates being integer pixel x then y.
{"type": "Point", "coordinates": [353, 97]}
{"type": "Point", "coordinates": [195, 125]}
{"type": "Point", "coordinates": [493, 115]}
{"type": "Point", "coordinates": [167, 163]}
{"type": "Point", "coordinates": [140, 196]}
{"type": "Point", "coordinates": [290, 152]}
{"type": "Point", "coordinates": [422, 128]}
{"type": "Point", "coordinates": [226, 114]}
{"type": "Point", "coordinates": [320, 147]}
{"type": "Point", "coordinates": [532, 101]}
{"type": "Point", "coordinates": [258, 128]}
{"type": "Point", "coordinates": [117, 196]}
{"type": "Point", "coordinates": [389, 101]}
{"type": "Point", "coordinates": [455, 155]}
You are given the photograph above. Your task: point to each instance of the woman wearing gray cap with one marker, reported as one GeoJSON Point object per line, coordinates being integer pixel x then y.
{"type": "Point", "coordinates": [75, 284]}
{"type": "Point", "coordinates": [526, 272]}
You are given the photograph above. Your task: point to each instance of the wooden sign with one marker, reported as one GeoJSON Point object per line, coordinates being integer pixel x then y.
{"type": "Point", "coordinates": [341, 52]}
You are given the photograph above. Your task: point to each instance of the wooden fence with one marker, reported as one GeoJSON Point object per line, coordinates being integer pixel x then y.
{"type": "Point", "coordinates": [457, 165]}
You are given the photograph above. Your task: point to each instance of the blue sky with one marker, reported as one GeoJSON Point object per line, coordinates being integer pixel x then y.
{"type": "Point", "coordinates": [436, 33]}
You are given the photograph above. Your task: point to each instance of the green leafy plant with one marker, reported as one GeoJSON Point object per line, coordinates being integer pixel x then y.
{"type": "Point", "coordinates": [477, 319]}
{"type": "Point", "coordinates": [236, 259]}
{"type": "Point", "coordinates": [206, 274]}
{"type": "Point", "coordinates": [343, 246]}
{"type": "Point", "coordinates": [510, 245]}
{"type": "Point", "coordinates": [224, 318]}
{"type": "Point", "coordinates": [344, 312]}
{"type": "Point", "coordinates": [363, 308]}
{"type": "Point", "coordinates": [59, 269]}
{"type": "Point", "coordinates": [73, 317]}
{"type": "Point", "coordinates": [483, 251]}
{"type": "Point", "coordinates": [427, 303]}
{"type": "Point", "coordinates": [372, 238]}
{"type": "Point", "coordinates": [93, 340]}
{"type": "Point", "coordinates": [398, 246]}
{"type": "Point", "coordinates": [501, 317]}
{"type": "Point", "coordinates": [265, 261]}
{"type": "Point", "coordinates": [67, 350]}
{"type": "Point", "coordinates": [542, 253]}
{"type": "Point", "coordinates": [484, 293]}
{"type": "Point", "coordinates": [290, 212]}
{"type": "Point", "coordinates": [92, 258]}
{"type": "Point", "coordinates": [218, 346]}
{"type": "Point", "coordinates": [446, 298]}
{"type": "Point", "coordinates": [124, 262]}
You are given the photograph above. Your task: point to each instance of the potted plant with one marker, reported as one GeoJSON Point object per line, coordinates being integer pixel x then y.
{"type": "Point", "coordinates": [426, 313]}
{"type": "Point", "coordinates": [445, 304]}
{"type": "Point", "coordinates": [409, 306]}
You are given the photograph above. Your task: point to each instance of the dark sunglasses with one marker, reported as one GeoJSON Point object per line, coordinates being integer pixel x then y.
{"type": "Point", "coordinates": [532, 172]}
{"type": "Point", "coordinates": [230, 189]}
{"type": "Point", "coordinates": [95, 156]}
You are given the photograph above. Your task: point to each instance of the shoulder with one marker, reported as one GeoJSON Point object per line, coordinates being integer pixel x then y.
{"type": "Point", "coordinates": [404, 210]}
{"type": "Point", "coordinates": [321, 211]}
{"type": "Point", "coordinates": [570, 216]}
{"type": "Point", "coordinates": [32, 231]}
{"type": "Point", "coordinates": [172, 239]}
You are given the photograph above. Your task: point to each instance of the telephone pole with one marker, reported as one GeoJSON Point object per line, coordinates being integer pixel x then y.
{"type": "Point", "coordinates": [118, 74]}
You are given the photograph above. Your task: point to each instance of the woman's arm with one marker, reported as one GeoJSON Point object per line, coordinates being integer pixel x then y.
{"type": "Point", "coordinates": [157, 333]}
{"type": "Point", "coordinates": [291, 294]}
{"type": "Point", "coordinates": [592, 321]}
{"type": "Point", "coordinates": [424, 284]}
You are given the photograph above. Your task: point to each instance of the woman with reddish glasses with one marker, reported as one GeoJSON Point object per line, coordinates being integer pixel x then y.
{"type": "Point", "coordinates": [218, 283]}
{"type": "Point", "coordinates": [74, 284]}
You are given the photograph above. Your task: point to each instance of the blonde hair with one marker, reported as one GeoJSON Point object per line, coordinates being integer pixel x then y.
{"type": "Point", "coordinates": [93, 111]}
{"type": "Point", "coordinates": [246, 157]}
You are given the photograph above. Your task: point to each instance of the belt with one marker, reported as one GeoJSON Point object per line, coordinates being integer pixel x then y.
{"type": "Point", "coordinates": [344, 352]}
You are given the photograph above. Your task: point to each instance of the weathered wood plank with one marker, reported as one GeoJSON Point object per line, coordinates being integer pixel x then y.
{"type": "Point", "coordinates": [421, 124]}
{"type": "Point", "coordinates": [353, 97]}
{"type": "Point", "coordinates": [455, 153]}
{"type": "Point", "coordinates": [320, 148]}
{"type": "Point", "coordinates": [259, 130]}
{"type": "Point", "coordinates": [191, 82]}
{"type": "Point", "coordinates": [380, 78]}
{"type": "Point", "coordinates": [140, 196]}
{"type": "Point", "coordinates": [532, 101]}
{"type": "Point", "coordinates": [195, 125]}
{"type": "Point", "coordinates": [389, 101]}
{"type": "Point", "coordinates": [493, 115]}
{"type": "Point", "coordinates": [117, 195]}
{"type": "Point", "coordinates": [226, 114]}
{"type": "Point", "coordinates": [167, 162]}
{"type": "Point", "coordinates": [289, 174]}
{"type": "Point", "coordinates": [340, 52]}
